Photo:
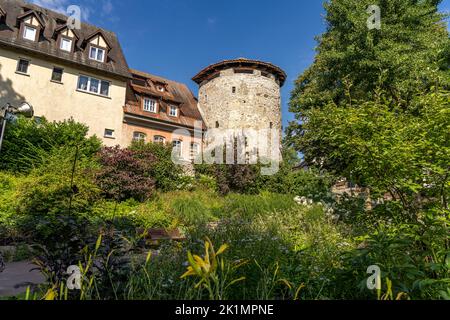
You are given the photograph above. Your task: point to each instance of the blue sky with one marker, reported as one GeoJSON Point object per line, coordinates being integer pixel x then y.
{"type": "Point", "coordinates": [177, 38]}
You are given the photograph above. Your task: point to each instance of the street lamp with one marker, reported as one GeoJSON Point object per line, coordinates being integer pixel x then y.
{"type": "Point", "coordinates": [8, 110]}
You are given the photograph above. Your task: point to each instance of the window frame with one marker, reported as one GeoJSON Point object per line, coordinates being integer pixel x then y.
{"type": "Point", "coordinates": [28, 66]}
{"type": "Point", "coordinates": [180, 153]}
{"type": "Point", "coordinates": [29, 27]}
{"type": "Point", "coordinates": [112, 136]}
{"type": "Point", "coordinates": [170, 111]}
{"type": "Point", "coordinates": [97, 49]}
{"type": "Point", "coordinates": [53, 72]}
{"type": "Point", "coordinates": [159, 139]}
{"type": "Point", "coordinates": [155, 105]}
{"type": "Point", "coordinates": [99, 87]}
{"type": "Point", "coordinates": [192, 154]}
{"type": "Point", "coordinates": [61, 41]}
{"type": "Point", "coordinates": [142, 138]}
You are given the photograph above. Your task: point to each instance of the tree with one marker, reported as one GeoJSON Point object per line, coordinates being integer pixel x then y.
{"type": "Point", "coordinates": [405, 153]}
{"type": "Point", "coordinates": [407, 57]}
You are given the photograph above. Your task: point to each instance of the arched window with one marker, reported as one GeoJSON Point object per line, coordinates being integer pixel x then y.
{"type": "Point", "coordinates": [139, 136]}
{"type": "Point", "coordinates": [159, 139]}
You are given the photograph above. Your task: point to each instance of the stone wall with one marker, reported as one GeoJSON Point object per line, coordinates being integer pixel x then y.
{"type": "Point", "coordinates": [241, 100]}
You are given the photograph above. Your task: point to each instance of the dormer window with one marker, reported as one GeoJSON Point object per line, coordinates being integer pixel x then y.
{"type": "Point", "coordinates": [66, 44]}
{"type": "Point", "coordinates": [173, 111]}
{"type": "Point", "coordinates": [31, 25]}
{"type": "Point", "coordinates": [150, 105]}
{"type": "Point", "coordinates": [160, 88]}
{"type": "Point", "coordinates": [66, 38]}
{"type": "Point", "coordinates": [97, 54]}
{"type": "Point", "coordinates": [29, 33]}
{"type": "Point", "coordinates": [98, 47]}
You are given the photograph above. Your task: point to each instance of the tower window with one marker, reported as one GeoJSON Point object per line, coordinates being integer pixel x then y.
{"type": "Point", "coordinates": [217, 124]}
{"type": "Point", "coordinates": [271, 125]}
{"type": "Point", "coordinates": [233, 89]}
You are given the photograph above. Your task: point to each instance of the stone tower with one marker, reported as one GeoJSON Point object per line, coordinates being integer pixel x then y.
{"type": "Point", "coordinates": [241, 94]}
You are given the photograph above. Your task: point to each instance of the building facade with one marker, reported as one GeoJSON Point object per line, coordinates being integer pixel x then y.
{"type": "Point", "coordinates": [163, 111]}
{"type": "Point", "coordinates": [82, 74]}
{"type": "Point", "coordinates": [63, 73]}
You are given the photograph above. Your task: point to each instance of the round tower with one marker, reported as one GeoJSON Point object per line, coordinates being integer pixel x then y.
{"type": "Point", "coordinates": [241, 94]}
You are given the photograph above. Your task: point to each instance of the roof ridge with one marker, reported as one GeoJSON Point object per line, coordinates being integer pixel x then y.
{"type": "Point", "coordinates": [150, 75]}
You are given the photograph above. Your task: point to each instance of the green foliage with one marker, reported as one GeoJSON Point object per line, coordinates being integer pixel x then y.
{"type": "Point", "coordinates": [405, 153]}
{"type": "Point", "coordinates": [167, 175]}
{"type": "Point", "coordinates": [408, 55]}
{"type": "Point", "coordinates": [27, 142]}
{"type": "Point", "coordinates": [55, 197]}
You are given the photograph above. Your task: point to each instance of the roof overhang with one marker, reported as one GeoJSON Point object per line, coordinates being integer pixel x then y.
{"type": "Point", "coordinates": [240, 63]}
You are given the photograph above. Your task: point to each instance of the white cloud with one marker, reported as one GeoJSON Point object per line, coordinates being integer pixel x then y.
{"type": "Point", "coordinates": [107, 7]}
{"type": "Point", "coordinates": [55, 5]}
{"type": "Point", "coordinates": [61, 7]}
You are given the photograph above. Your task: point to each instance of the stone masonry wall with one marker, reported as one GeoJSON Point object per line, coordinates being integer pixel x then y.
{"type": "Point", "coordinates": [255, 103]}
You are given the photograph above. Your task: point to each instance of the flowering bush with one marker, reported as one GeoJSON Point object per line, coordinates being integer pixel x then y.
{"type": "Point", "coordinates": [125, 174]}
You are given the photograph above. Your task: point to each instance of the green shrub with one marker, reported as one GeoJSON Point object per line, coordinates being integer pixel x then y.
{"type": "Point", "coordinates": [27, 142]}
{"type": "Point", "coordinates": [167, 175]}
{"type": "Point", "coordinates": [57, 196]}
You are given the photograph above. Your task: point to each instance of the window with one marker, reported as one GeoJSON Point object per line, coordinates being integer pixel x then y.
{"type": "Point", "coordinates": [195, 150]}
{"type": "Point", "coordinates": [217, 124]}
{"type": "Point", "coordinates": [177, 147]}
{"type": "Point", "coordinates": [97, 54]}
{"type": "Point", "coordinates": [66, 44]}
{"type": "Point", "coordinates": [139, 136]}
{"type": "Point", "coordinates": [93, 85]}
{"type": "Point", "coordinates": [104, 88]}
{"type": "Point", "coordinates": [233, 90]}
{"type": "Point", "coordinates": [109, 133]}
{"type": "Point", "coordinates": [160, 88]}
{"type": "Point", "coordinates": [159, 139]}
{"type": "Point", "coordinates": [22, 66]}
{"type": "Point", "coordinates": [149, 105]}
{"type": "Point", "coordinates": [29, 33]}
{"type": "Point", "coordinates": [57, 74]}
{"type": "Point", "coordinates": [173, 111]}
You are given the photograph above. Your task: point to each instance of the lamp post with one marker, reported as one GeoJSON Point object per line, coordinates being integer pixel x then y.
{"type": "Point", "coordinates": [8, 110]}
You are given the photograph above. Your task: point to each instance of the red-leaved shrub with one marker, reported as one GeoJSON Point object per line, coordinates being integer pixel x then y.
{"type": "Point", "coordinates": [125, 174]}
